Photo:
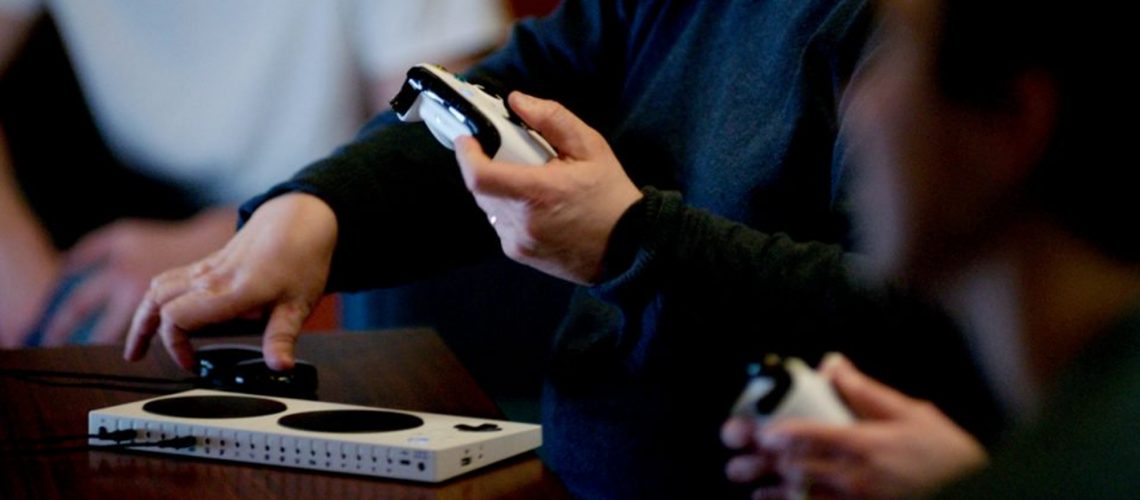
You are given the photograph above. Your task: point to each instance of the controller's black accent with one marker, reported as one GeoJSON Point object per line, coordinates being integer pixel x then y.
{"type": "Point", "coordinates": [240, 368]}
{"type": "Point", "coordinates": [772, 368]}
{"type": "Point", "coordinates": [350, 421]}
{"type": "Point", "coordinates": [486, 427]}
{"type": "Point", "coordinates": [212, 407]}
{"type": "Point", "coordinates": [421, 82]}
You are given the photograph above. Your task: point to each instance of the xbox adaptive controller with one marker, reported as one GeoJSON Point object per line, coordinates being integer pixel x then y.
{"type": "Point", "coordinates": [781, 389]}
{"type": "Point", "coordinates": [452, 107]}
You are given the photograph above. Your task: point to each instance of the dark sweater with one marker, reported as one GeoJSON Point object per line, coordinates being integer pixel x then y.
{"type": "Point", "coordinates": [732, 104]}
{"type": "Point", "coordinates": [1083, 443]}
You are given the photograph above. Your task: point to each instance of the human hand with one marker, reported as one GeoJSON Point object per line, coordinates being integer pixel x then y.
{"type": "Point", "coordinates": [118, 261]}
{"type": "Point", "coordinates": [277, 265]}
{"type": "Point", "coordinates": [557, 218]}
{"type": "Point", "coordinates": [900, 447]}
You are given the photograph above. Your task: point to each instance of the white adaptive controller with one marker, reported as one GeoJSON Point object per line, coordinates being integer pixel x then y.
{"type": "Point", "coordinates": [452, 107]}
{"type": "Point", "coordinates": [782, 389]}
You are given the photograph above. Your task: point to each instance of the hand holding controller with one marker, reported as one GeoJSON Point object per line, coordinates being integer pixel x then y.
{"type": "Point", "coordinates": [451, 107]}
{"type": "Point", "coordinates": [782, 389]}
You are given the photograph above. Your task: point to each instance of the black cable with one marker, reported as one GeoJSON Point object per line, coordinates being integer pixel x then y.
{"type": "Point", "coordinates": [177, 443]}
{"type": "Point", "coordinates": [104, 434]}
{"type": "Point", "coordinates": [124, 439]}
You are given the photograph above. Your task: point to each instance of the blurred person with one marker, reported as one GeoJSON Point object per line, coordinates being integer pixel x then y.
{"type": "Point", "coordinates": [218, 99]}
{"type": "Point", "coordinates": [996, 178]}
{"type": "Point", "coordinates": [644, 101]}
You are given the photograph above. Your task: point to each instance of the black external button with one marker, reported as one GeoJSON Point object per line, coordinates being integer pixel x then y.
{"type": "Point", "coordinates": [488, 427]}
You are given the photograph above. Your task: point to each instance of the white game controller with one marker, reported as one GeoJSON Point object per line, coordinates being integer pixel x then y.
{"type": "Point", "coordinates": [452, 107]}
{"type": "Point", "coordinates": [783, 389]}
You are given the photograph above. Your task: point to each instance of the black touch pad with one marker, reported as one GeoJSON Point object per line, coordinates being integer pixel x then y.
{"type": "Point", "coordinates": [214, 407]}
{"type": "Point", "coordinates": [345, 421]}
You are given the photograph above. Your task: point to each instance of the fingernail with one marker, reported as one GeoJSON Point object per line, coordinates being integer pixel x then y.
{"type": "Point", "coordinates": [831, 361]}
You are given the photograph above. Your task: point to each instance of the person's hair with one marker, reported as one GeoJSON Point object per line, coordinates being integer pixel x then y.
{"type": "Point", "coordinates": [1084, 179]}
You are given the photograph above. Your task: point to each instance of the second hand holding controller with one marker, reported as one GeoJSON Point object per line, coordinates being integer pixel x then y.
{"type": "Point", "coordinates": [452, 107]}
{"type": "Point", "coordinates": [784, 389]}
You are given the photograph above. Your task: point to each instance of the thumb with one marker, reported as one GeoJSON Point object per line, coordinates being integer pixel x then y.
{"type": "Point", "coordinates": [281, 334]}
{"type": "Point", "coordinates": [484, 176]}
{"type": "Point", "coordinates": [867, 397]}
{"type": "Point", "coordinates": [561, 128]}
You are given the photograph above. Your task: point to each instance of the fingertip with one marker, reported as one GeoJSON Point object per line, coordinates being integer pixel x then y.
{"type": "Point", "coordinates": [277, 348]}
{"type": "Point", "coordinates": [187, 362]}
{"type": "Point", "coordinates": [184, 355]}
{"type": "Point", "coordinates": [832, 364]}
{"type": "Point", "coordinates": [177, 345]}
{"type": "Point", "coordinates": [279, 341]}
{"type": "Point", "coordinates": [279, 359]}
{"type": "Point", "coordinates": [464, 143]}
{"type": "Point", "coordinates": [736, 433]}
{"type": "Point", "coordinates": [519, 99]}
{"type": "Point", "coordinates": [746, 468]}
{"type": "Point", "coordinates": [468, 153]}
{"type": "Point", "coordinates": [131, 351]}
{"type": "Point", "coordinates": [143, 326]}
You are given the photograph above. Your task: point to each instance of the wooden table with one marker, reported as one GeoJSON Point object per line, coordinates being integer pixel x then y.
{"type": "Point", "coordinates": [410, 370]}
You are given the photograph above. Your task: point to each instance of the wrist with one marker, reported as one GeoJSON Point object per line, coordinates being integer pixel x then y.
{"type": "Point", "coordinates": [297, 210]}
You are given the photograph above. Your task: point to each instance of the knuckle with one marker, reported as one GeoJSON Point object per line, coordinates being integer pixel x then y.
{"type": "Point", "coordinates": [594, 140]}
{"type": "Point", "coordinates": [157, 282]}
{"type": "Point", "coordinates": [924, 407]}
{"type": "Point", "coordinates": [168, 317]}
{"type": "Point", "coordinates": [201, 267]}
{"type": "Point", "coordinates": [214, 283]}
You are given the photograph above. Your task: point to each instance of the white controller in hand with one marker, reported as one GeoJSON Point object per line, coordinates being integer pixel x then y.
{"type": "Point", "coordinates": [783, 389]}
{"type": "Point", "coordinates": [452, 107]}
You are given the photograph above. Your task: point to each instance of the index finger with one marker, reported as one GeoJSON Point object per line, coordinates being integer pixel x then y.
{"type": "Point", "coordinates": [144, 325]}
{"type": "Point", "coordinates": [561, 127]}
{"type": "Point", "coordinates": [485, 176]}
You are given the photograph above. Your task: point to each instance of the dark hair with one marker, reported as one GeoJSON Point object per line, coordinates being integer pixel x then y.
{"type": "Point", "coordinates": [1084, 179]}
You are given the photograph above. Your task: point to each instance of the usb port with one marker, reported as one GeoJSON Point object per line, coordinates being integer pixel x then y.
{"type": "Point", "coordinates": [465, 461]}
{"type": "Point", "coordinates": [405, 462]}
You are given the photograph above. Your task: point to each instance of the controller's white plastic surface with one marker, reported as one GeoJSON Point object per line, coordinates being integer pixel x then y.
{"type": "Point", "coordinates": [810, 397]}
{"type": "Point", "coordinates": [519, 144]}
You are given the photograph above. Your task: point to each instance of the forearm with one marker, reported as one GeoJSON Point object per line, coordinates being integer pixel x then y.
{"type": "Point", "coordinates": [28, 261]}
{"type": "Point", "coordinates": [400, 204]}
{"type": "Point", "coordinates": [399, 199]}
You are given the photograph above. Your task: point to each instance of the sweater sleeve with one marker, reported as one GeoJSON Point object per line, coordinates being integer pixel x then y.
{"type": "Point", "coordinates": [753, 292]}
{"type": "Point", "coordinates": [402, 210]}
{"type": "Point", "coordinates": [662, 246]}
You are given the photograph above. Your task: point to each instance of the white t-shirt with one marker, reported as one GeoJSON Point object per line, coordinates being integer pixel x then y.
{"type": "Point", "coordinates": [228, 97]}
